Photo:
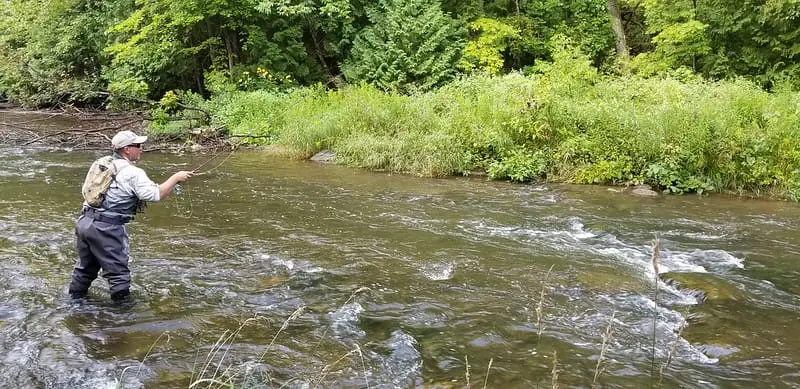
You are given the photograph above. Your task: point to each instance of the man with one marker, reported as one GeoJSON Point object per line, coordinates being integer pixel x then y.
{"type": "Point", "coordinates": [101, 237]}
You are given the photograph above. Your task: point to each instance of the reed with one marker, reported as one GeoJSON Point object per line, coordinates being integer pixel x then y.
{"type": "Point", "coordinates": [554, 372]}
{"type": "Point", "coordinates": [606, 336]}
{"type": "Point", "coordinates": [466, 362]}
{"type": "Point", "coordinates": [327, 368]}
{"type": "Point", "coordinates": [224, 341]}
{"type": "Point", "coordinates": [670, 353]}
{"type": "Point", "coordinates": [540, 305]}
{"type": "Point", "coordinates": [656, 251]}
{"type": "Point", "coordinates": [120, 383]}
{"type": "Point", "coordinates": [352, 296]}
{"type": "Point", "coordinates": [488, 368]}
{"type": "Point", "coordinates": [297, 312]}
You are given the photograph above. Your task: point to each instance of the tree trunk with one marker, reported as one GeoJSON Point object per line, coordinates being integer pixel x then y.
{"type": "Point", "coordinates": [318, 49]}
{"type": "Point", "coordinates": [619, 30]}
{"type": "Point", "coordinates": [232, 47]}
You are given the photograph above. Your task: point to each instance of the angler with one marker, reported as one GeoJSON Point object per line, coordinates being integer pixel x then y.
{"type": "Point", "coordinates": [114, 191]}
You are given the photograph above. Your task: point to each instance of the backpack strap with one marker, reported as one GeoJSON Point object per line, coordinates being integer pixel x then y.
{"type": "Point", "coordinates": [118, 169]}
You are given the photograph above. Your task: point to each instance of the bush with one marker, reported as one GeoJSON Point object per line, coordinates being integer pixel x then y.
{"type": "Point", "coordinates": [411, 45]}
{"type": "Point", "coordinates": [563, 123]}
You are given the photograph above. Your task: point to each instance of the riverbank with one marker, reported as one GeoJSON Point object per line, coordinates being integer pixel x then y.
{"type": "Point", "coordinates": [567, 124]}
{"type": "Point", "coordinates": [92, 130]}
{"type": "Point", "coordinates": [564, 124]}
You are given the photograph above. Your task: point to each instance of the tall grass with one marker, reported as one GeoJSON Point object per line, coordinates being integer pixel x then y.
{"type": "Point", "coordinates": [565, 123]}
{"type": "Point", "coordinates": [655, 257]}
{"type": "Point", "coordinates": [606, 337]}
{"type": "Point", "coordinates": [540, 305]}
{"type": "Point", "coordinates": [554, 372]}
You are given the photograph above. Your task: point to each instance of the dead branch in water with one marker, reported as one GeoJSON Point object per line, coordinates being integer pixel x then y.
{"type": "Point", "coordinates": [78, 131]}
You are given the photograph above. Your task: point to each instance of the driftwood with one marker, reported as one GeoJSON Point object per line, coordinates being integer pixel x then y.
{"type": "Point", "coordinates": [80, 131]}
{"type": "Point", "coordinates": [89, 130]}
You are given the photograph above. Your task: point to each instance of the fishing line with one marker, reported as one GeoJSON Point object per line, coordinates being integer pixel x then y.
{"type": "Point", "coordinates": [206, 162]}
{"type": "Point", "coordinates": [180, 190]}
{"type": "Point", "coordinates": [215, 167]}
{"type": "Point", "coordinates": [233, 150]}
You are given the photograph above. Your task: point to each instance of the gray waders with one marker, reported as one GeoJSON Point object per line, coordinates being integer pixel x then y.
{"type": "Point", "coordinates": [102, 243]}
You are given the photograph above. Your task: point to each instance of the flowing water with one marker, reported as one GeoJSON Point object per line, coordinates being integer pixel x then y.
{"type": "Point", "coordinates": [394, 281]}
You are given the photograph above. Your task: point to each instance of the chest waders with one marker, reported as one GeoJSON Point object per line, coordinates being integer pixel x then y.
{"type": "Point", "coordinates": [101, 241]}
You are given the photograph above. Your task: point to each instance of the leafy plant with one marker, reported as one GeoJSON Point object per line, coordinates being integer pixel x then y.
{"type": "Point", "coordinates": [410, 45]}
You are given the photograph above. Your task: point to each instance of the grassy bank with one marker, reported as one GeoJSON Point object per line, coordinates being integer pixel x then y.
{"type": "Point", "coordinates": [562, 123]}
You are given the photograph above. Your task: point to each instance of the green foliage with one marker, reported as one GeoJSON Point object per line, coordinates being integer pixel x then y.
{"type": "Point", "coordinates": [519, 165]}
{"type": "Point", "coordinates": [50, 50]}
{"type": "Point", "coordinates": [410, 45]}
{"type": "Point", "coordinates": [679, 38]}
{"type": "Point", "coordinates": [331, 25]}
{"type": "Point", "coordinates": [721, 39]}
{"type": "Point", "coordinates": [564, 123]}
{"type": "Point", "coordinates": [484, 51]}
{"type": "Point", "coordinates": [259, 113]}
{"type": "Point", "coordinates": [571, 70]}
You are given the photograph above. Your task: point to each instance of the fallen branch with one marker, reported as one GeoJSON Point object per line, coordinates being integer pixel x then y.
{"type": "Point", "coordinates": [14, 125]}
{"type": "Point", "coordinates": [252, 136]}
{"type": "Point", "coordinates": [31, 121]}
{"type": "Point", "coordinates": [172, 118]}
{"type": "Point", "coordinates": [75, 131]}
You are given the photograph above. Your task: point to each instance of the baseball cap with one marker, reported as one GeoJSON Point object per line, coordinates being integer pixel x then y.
{"type": "Point", "coordinates": [126, 138]}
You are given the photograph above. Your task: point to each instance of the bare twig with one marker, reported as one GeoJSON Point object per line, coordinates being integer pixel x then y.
{"type": "Point", "coordinates": [670, 353]}
{"type": "Point", "coordinates": [606, 336]}
{"type": "Point", "coordinates": [17, 126]}
{"type": "Point", "coordinates": [488, 368]}
{"type": "Point", "coordinates": [656, 250]}
{"type": "Point", "coordinates": [466, 362]}
{"type": "Point", "coordinates": [78, 131]}
{"type": "Point", "coordinates": [540, 304]}
{"type": "Point", "coordinates": [554, 372]}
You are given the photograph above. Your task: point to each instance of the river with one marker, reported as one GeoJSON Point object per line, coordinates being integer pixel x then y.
{"type": "Point", "coordinates": [273, 272]}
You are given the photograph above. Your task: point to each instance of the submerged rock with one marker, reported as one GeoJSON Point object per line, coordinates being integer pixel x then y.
{"type": "Point", "coordinates": [708, 286]}
{"type": "Point", "coordinates": [324, 156]}
{"type": "Point", "coordinates": [717, 351]}
{"type": "Point", "coordinates": [272, 281]}
{"type": "Point", "coordinates": [645, 191]}
{"type": "Point", "coordinates": [610, 281]}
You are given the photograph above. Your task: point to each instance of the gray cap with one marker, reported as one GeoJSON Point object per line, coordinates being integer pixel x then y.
{"type": "Point", "coordinates": [126, 138]}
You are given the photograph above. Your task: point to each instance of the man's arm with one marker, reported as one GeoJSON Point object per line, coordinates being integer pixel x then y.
{"type": "Point", "coordinates": [167, 186]}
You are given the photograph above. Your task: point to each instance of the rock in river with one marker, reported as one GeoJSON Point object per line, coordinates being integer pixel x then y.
{"type": "Point", "coordinates": [710, 288]}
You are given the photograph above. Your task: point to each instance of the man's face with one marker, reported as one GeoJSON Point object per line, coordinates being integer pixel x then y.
{"type": "Point", "coordinates": [134, 151]}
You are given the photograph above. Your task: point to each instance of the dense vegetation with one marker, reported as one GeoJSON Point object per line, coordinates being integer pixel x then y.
{"type": "Point", "coordinates": [687, 95]}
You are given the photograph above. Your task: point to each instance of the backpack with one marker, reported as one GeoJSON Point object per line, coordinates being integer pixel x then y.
{"type": "Point", "coordinates": [99, 178]}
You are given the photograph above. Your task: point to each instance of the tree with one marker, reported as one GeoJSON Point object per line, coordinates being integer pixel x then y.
{"type": "Point", "coordinates": [411, 44]}
{"type": "Point", "coordinates": [51, 51]}
{"type": "Point", "coordinates": [485, 51]}
{"type": "Point", "coordinates": [619, 30]}
{"type": "Point", "coordinates": [680, 39]}
{"type": "Point", "coordinates": [329, 26]}
{"type": "Point", "coordinates": [166, 44]}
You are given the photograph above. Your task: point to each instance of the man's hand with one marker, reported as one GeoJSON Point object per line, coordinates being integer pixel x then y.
{"type": "Point", "coordinates": [182, 176]}
{"type": "Point", "coordinates": [166, 188]}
